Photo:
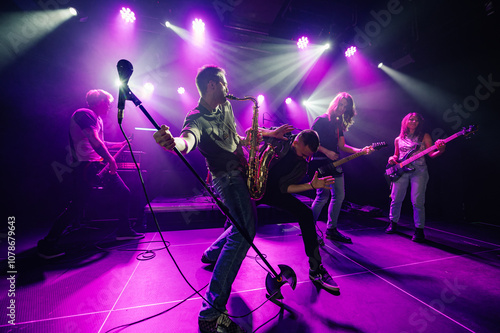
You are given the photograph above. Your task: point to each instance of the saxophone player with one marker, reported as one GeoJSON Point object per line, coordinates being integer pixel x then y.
{"type": "Point", "coordinates": [211, 128]}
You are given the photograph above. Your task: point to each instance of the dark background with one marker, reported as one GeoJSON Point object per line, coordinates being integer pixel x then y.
{"type": "Point", "coordinates": [451, 44]}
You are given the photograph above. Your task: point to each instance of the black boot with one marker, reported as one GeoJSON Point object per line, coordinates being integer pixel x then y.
{"type": "Point", "coordinates": [335, 235]}
{"type": "Point", "coordinates": [418, 236]}
{"type": "Point", "coordinates": [392, 228]}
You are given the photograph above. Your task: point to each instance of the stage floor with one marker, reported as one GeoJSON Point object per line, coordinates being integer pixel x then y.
{"type": "Point", "coordinates": [388, 283]}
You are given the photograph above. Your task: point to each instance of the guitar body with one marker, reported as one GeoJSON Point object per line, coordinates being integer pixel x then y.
{"type": "Point", "coordinates": [394, 171]}
{"type": "Point", "coordinates": [324, 167]}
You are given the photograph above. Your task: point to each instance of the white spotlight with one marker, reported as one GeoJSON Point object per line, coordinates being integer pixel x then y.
{"type": "Point", "coordinates": [73, 11]}
{"type": "Point", "coordinates": [149, 87]}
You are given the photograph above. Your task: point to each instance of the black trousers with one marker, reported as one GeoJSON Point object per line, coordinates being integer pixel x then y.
{"type": "Point", "coordinates": [84, 180]}
{"type": "Point", "coordinates": [303, 213]}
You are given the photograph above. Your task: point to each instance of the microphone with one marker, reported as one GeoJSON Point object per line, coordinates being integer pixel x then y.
{"type": "Point", "coordinates": [125, 70]}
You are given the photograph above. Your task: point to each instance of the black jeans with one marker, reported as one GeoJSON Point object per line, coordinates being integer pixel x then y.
{"type": "Point", "coordinates": [84, 180]}
{"type": "Point", "coordinates": [303, 213]}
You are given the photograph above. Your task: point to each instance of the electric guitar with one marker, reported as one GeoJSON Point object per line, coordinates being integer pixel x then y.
{"type": "Point", "coordinates": [327, 168]}
{"type": "Point", "coordinates": [394, 171]}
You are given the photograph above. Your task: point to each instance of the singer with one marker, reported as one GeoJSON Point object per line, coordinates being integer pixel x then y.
{"type": "Point", "coordinates": [89, 151]}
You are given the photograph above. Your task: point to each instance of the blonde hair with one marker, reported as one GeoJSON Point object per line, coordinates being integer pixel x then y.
{"type": "Point", "coordinates": [96, 96]}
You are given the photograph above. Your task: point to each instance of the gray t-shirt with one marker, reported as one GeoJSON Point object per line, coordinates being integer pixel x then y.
{"type": "Point", "coordinates": [409, 144]}
{"type": "Point", "coordinates": [216, 138]}
{"type": "Point", "coordinates": [81, 148]}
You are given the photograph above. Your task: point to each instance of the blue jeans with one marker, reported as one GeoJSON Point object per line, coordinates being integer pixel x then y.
{"type": "Point", "coordinates": [323, 195]}
{"type": "Point", "coordinates": [230, 248]}
{"type": "Point", "coordinates": [418, 180]}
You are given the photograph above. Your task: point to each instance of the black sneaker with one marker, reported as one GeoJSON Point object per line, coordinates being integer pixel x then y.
{"type": "Point", "coordinates": [128, 235]}
{"type": "Point", "coordinates": [206, 260]}
{"type": "Point", "coordinates": [335, 235]}
{"type": "Point", "coordinates": [419, 236]}
{"type": "Point", "coordinates": [321, 277]}
{"type": "Point", "coordinates": [49, 250]}
{"type": "Point", "coordinates": [220, 325]}
{"type": "Point", "coordinates": [392, 228]}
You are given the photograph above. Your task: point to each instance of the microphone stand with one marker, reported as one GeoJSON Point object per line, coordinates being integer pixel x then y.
{"type": "Point", "coordinates": [274, 281]}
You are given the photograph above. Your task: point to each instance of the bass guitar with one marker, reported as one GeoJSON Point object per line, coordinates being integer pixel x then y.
{"type": "Point", "coordinates": [394, 171]}
{"type": "Point", "coordinates": [327, 168]}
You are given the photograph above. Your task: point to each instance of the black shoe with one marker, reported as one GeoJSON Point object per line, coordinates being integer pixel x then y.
{"type": "Point", "coordinates": [206, 260]}
{"type": "Point", "coordinates": [49, 250]}
{"type": "Point", "coordinates": [220, 325]}
{"type": "Point", "coordinates": [392, 228]}
{"type": "Point", "coordinates": [128, 235]}
{"type": "Point", "coordinates": [419, 236]}
{"type": "Point", "coordinates": [321, 277]}
{"type": "Point", "coordinates": [335, 235]}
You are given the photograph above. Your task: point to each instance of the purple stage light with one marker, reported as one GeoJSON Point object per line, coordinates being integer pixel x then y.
{"type": "Point", "coordinates": [181, 90]}
{"type": "Point", "coordinates": [260, 98]}
{"type": "Point", "coordinates": [288, 100]}
{"type": "Point", "coordinates": [127, 15]}
{"type": "Point", "coordinates": [303, 42]}
{"type": "Point", "coordinates": [350, 51]}
{"type": "Point", "coordinates": [198, 26]}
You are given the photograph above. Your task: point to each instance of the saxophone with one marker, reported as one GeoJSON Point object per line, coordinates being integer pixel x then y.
{"type": "Point", "coordinates": [258, 168]}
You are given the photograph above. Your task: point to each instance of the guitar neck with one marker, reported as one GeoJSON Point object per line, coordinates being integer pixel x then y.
{"type": "Point", "coordinates": [348, 158]}
{"type": "Point", "coordinates": [428, 150]}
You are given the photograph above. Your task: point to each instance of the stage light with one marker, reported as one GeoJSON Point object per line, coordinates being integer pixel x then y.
{"type": "Point", "coordinates": [73, 11]}
{"type": "Point", "coordinates": [326, 46]}
{"type": "Point", "coordinates": [288, 100]}
{"type": "Point", "coordinates": [198, 26]}
{"type": "Point", "coordinates": [260, 98]}
{"type": "Point", "coordinates": [380, 65]}
{"type": "Point", "coordinates": [181, 90]}
{"type": "Point", "coordinates": [303, 42]}
{"type": "Point", "coordinates": [306, 103]}
{"type": "Point", "coordinates": [167, 24]}
{"type": "Point", "coordinates": [149, 87]}
{"type": "Point", "coordinates": [127, 15]}
{"type": "Point", "coordinates": [350, 51]}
